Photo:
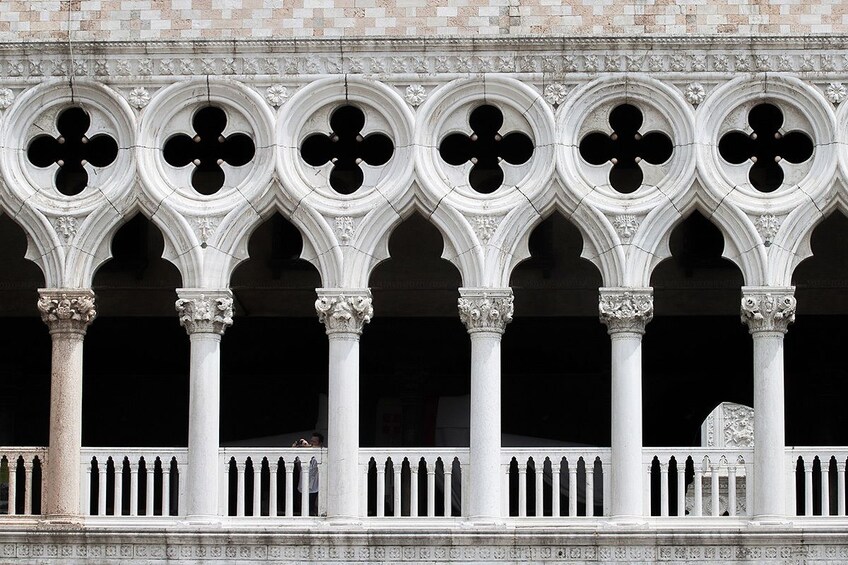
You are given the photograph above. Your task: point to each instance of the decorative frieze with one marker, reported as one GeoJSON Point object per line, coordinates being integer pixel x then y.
{"type": "Point", "coordinates": [205, 311]}
{"type": "Point", "coordinates": [66, 309]}
{"type": "Point", "coordinates": [344, 310]}
{"type": "Point", "coordinates": [626, 309]}
{"type": "Point", "coordinates": [768, 309]}
{"type": "Point", "coordinates": [485, 309]}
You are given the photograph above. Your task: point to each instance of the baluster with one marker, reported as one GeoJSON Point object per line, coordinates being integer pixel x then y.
{"type": "Point", "coordinates": [27, 486]}
{"type": "Point", "coordinates": [396, 489]}
{"type": "Point", "coordinates": [681, 486]}
{"type": "Point", "coordinates": [119, 488]}
{"type": "Point", "coordinates": [273, 476]}
{"type": "Point", "coordinates": [572, 489]}
{"type": "Point", "coordinates": [556, 485]}
{"type": "Point", "coordinates": [840, 487]}
{"type": "Point", "coordinates": [663, 488]}
{"type": "Point", "coordinates": [381, 489]}
{"type": "Point", "coordinates": [714, 489]}
{"type": "Point", "coordinates": [101, 491]}
{"type": "Point", "coordinates": [166, 488]}
{"type": "Point", "coordinates": [699, 488]}
{"type": "Point", "coordinates": [448, 490]}
{"type": "Point", "coordinates": [522, 489]}
{"type": "Point", "coordinates": [148, 505]}
{"type": "Point", "coordinates": [646, 490]}
{"type": "Point", "coordinates": [590, 488]}
{"type": "Point", "coordinates": [305, 468]}
{"type": "Point", "coordinates": [223, 487]}
{"type": "Point", "coordinates": [239, 488]}
{"type": "Point", "coordinates": [363, 489]}
{"type": "Point", "coordinates": [413, 489]}
{"type": "Point", "coordinates": [731, 489]}
{"type": "Point", "coordinates": [539, 467]}
{"type": "Point", "coordinates": [134, 489]}
{"type": "Point", "coordinates": [808, 487]}
{"type": "Point", "coordinates": [504, 489]}
{"type": "Point", "coordinates": [606, 488]}
{"type": "Point", "coordinates": [431, 489]}
{"type": "Point", "coordinates": [289, 468]}
{"type": "Point", "coordinates": [825, 487]}
{"type": "Point", "coordinates": [13, 485]}
{"type": "Point", "coordinates": [257, 487]}
{"type": "Point", "coordinates": [181, 491]}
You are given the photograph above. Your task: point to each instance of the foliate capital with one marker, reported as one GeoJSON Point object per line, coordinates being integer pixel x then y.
{"type": "Point", "coordinates": [626, 309]}
{"type": "Point", "coordinates": [344, 310]}
{"type": "Point", "coordinates": [485, 309]}
{"type": "Point", "coordinates": [768, 308]}
{"type": "Point", "coordinates": [205, 311]}
{"type": "Point", "coordinates": [66, 309]}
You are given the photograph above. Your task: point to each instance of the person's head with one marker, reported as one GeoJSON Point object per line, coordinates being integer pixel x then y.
{"type": "Point", "coordinates": [317, 440]}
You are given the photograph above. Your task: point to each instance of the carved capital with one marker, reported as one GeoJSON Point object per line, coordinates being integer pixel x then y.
{"type": "Point", "coordinates": [485, 309]}
{"type": "Point", "coordinates": [66, 309]}
{"type": "Point", "coordinates": [768, 309]}
{"type": "Point", "coordinates": [344, 310]}
{"type": "Point", "coordinates": [626, 309]}
{"type": "Point", "coordinates": [205, 311]}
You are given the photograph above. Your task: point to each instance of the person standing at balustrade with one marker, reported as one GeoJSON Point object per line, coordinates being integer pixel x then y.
{"type": "Point", "coordinates": [317, 440]}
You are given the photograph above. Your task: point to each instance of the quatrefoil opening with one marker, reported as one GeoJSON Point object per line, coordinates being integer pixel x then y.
{"type": "Point", "coordinates": [765, 146]}
{"type": "Point", "coordinates": [625, 148]}
{"type": "Point", "coordinates": [347, 148]}
{"type": "Point", "coordinates": [208, 149]}
{"type": "Point", "coordinates": [486, 148]}
{"type": "Point", "coordinates": [72, 150]}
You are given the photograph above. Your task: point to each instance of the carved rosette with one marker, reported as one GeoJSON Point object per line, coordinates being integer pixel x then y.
{"type": "Point", "coordinates": [485, 310]}
{"type": "Point", "coordinates": [768, 309]}
{"type": "Point", "coordinates": [626, 309]}
{"type": "Point", "coordinates": [344, 311]}
{"type": "Point", "coordinates": [67, 310]}
{"type": "Point", "coordinates": [205, 311]}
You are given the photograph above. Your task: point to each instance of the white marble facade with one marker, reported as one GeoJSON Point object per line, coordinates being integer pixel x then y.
{"type": "Point", "coordinates": [553, 92]}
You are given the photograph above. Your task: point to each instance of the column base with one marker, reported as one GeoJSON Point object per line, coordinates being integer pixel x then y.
{"type": "Point", "coordinates": [484, 521]}
{"type": "Point", "coordinates": [342, 521]}
{"type": "Point", "coordinates": [206, 520]}
{"type": "Point", "coordinates": [63, 521]}
{"type": "Point", "coordinates": [627, 522]}
{"type": "Point", "coordinates": [769, 521]}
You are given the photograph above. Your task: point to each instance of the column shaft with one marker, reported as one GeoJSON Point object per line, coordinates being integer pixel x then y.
{"type": "Point", "coordinates": [62, 474]}
{"type": "Point", "coordinates": [203, 425]}
{"type": "Point", "coordinates": [343, 427]}
{"type": "Point", "coordinates": [626, 489]}
{"type": "Point", "coordinates": [485, 480]}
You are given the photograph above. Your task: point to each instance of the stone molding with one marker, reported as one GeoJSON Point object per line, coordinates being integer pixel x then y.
{"type": "Point", "coordinates": [205, 311]}
{"type": "Point", "coordinates": [720, 55]}
{"type": "Point", "coordinates": [768, 309]}
{"type": "Point", "coordinates": [626, 309]}
{"type": "Point", "coordinates": [185, 546]}
{"type": "Point", "coordinates": [67, 310]}
{"type": "Point", "coordinates": [485, 309]}
{"type": "Point", "coordinates": [344, 311]}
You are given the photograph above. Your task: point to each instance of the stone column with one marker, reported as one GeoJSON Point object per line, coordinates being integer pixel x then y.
{"type": "Point", "coordinates": [485, 312]}
{"type": "Point", "coordinates": [344, 312]}
{"type": "Point", "coordinates": [205, 314]}
{"type": "Point", "coordinates": [67, 312]}
{"type": "Point", "coordinates": [768, 311]}
{"type": "Point", "coordinates": [626, 311]}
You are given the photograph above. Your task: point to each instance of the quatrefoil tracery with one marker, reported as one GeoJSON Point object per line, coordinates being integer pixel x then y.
{"type": "Point", "coordinates": [765, 146]}
{"type": "Point", "coordinates": [346, 147]}
{"type": "Point", "coordinates": [486, 148]}
{"type": "Point", "coordinates": [72, 150]}
{"type": "Point", "coordinates": [625, 148]}
{"type": "Point", "coordinates": [208, 149]}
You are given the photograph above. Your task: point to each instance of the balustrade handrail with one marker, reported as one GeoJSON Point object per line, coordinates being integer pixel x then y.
{"type": "Point", "coordinates": [427, 453]}
{"type": "Point", "coordinates": [507, 453]}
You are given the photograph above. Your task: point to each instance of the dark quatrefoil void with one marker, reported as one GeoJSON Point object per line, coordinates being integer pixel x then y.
{"type": "Point", "coordinates": [625, 148]}
{"type": "Point", "coordinates": [765, 146]}
{"type": "Point", "coordinates": [208, 149]}
{"type": "Point", "coordinates": [72, 150]}
{"type": "Point", "coordinates": [486, 148]}
{"type": "Point", "coordinates": [346, 147]}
